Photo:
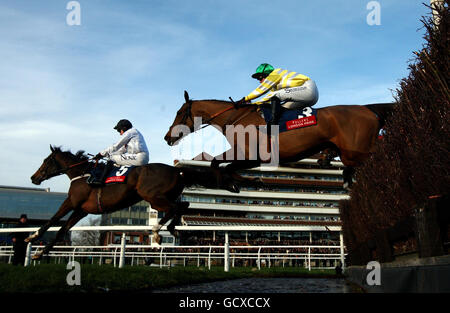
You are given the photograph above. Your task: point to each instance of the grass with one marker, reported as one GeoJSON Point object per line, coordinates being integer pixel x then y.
{"type": "Point", "coordinates": [50, 278]}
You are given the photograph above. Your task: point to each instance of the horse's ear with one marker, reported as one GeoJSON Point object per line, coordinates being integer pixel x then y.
{"type": "Point", "coordinates": [186, 96]}
{"type": "Point", "coordinates": [52, 149]}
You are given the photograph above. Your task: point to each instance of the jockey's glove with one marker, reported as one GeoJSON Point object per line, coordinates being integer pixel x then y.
{"type": "Point", "coordinates": [239, 103]}
{"type": "Point", "coordinates": [98, 156]}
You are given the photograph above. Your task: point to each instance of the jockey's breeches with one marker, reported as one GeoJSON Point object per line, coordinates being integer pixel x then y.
{"type": "Point", "coordinates": [137, 159]}
{"type": "Point", "coordinates": [296, 97]}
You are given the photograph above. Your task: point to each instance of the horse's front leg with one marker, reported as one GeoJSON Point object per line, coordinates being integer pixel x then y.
{"type": "Point", "coordinates": [157, 227]}
{"type": "Point", "coordinates": [76, 216]}
{"type": "Point", "coordinates": [65, 208]}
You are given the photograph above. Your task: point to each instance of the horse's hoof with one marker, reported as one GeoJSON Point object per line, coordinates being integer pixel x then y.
{"type": "Point", "coordinates": [32, 237]}
{"type": "Point", "coordinates": [347, 186]}
{"type": "Point", "coordinates": [214, 164]}
{"type": "Point", "coordinates": [157, 239]}
{"type": "Point", "coordinates": [234, 188]}
{"type": "Point", "coordinates": [37, 256]}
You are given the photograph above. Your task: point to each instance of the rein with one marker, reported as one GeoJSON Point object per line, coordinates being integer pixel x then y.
{"type": "Point", "coordinates": [64, 170]}
{"type": "Point", "coordinates": [208, 121]}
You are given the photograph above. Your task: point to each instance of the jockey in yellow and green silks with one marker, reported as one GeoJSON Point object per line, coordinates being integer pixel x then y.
{"type": "Point", "coordinates": [284, 88]}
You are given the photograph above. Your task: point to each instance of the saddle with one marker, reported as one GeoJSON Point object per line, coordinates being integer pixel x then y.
{"type": "Point", "coordinates": [108, 174]}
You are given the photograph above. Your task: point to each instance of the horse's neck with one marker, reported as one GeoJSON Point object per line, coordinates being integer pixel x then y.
{"type": "Point", "coordinates": [65, 163]}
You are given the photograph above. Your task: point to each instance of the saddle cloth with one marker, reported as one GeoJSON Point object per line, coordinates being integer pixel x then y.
{"type": "Point", "coordinates": [293, 119]}
{"type": "Point", "coordinates": [118, 174]}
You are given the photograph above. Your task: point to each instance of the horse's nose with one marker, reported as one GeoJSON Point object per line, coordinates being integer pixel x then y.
{"type": "Point", "coordinates": [35, 180]}
{"type": "Point", "coordinates": [167, 139]}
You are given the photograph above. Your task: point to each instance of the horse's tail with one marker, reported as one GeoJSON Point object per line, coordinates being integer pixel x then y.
{"type": "Point", "coordinates": [382, 110]}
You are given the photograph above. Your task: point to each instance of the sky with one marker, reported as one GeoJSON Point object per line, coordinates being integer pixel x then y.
{"type": "Point", "coordinates": [68, 85]}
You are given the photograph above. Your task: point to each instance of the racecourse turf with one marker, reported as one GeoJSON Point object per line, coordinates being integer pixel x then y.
{"type": "Point", "coordinates": [50, 278]}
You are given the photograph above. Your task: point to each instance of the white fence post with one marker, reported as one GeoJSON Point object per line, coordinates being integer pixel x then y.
{"type": "Point", "coordinates": [122, 251]}
{"type": "Point", "coordinates": [161, 258]}
{"type": "Point", "coordinates": [309, 258]}
{"type": "Point", "coordinates": [259, 258]}
{"type": "Point", "coordinates": [28, 255]}
{"type": "Point", "coordinates": [341, 239]}
{"type": "Point", "coordinates": [227, 254]}
{"type": "Point", "coordinates": [209, 258]}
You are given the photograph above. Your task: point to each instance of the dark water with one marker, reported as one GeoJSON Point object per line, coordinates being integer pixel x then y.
{"type": "Point", "coordinates": [267, 285]}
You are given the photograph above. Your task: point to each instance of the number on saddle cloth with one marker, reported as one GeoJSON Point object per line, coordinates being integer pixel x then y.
{"type": "Point", "coordinates": [118, 174]}
{"type": "Point", "coordinates": [293, 119]}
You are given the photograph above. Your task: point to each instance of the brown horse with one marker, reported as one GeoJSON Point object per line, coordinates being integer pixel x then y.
{"type": "Point", "coordinates": [159, 184]}
{"type": "Point", "coordinates": [348, 130]}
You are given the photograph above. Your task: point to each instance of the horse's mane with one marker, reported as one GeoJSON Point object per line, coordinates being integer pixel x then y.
{"type": "Point", "coordinates": [79, 155]}
{"type": "Point", "coordinates": [213, 100]}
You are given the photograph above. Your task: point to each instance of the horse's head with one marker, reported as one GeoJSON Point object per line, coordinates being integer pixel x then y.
{"type": "Point", "coordinates": [49, 168]}
{"type": "Point", "coordinates": [183, 123]}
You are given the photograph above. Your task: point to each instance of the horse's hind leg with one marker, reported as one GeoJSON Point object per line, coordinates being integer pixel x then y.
{"type": "Point", "coordinates": [65, 208]}
{"type": "Point", "coordinates": [161, 204]}
{"type": "Point", "coordinates": [176, 220]}
{"type": "Point", "coordinates": [347, 174]}
{"type": "Point", "coordinates": [76, 216]}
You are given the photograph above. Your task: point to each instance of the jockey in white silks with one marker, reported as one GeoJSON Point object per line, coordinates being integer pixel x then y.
{"type": "Point", "coordinates": [130, 150]}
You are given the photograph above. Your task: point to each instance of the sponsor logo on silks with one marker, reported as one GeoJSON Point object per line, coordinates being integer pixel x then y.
{"type": "Point", "coordinates": [118, 175]}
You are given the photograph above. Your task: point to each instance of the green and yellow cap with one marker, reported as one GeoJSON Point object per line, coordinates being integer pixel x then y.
{"type": "Point", "coordinates": [263, 70]}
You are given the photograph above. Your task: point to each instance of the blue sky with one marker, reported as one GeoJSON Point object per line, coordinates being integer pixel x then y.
{"type": "Point", "coordinates": [69, 85]}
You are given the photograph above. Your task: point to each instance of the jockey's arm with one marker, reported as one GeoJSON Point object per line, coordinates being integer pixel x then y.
{"type": "Point", "coordinates": [119, 145]}
{"type": "Point", "coordinates": [272, 80]}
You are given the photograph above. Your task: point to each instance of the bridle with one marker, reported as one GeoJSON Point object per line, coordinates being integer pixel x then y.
{"type": "Point", "coordinates": [61, 170]}
{"type": "Point", "coordinates": [188, 114]}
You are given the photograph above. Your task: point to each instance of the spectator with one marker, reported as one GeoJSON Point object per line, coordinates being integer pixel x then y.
{"type": "Point", "coordinates": [19, 245]}
{"type": "Point", "coordinates": [338, 269]}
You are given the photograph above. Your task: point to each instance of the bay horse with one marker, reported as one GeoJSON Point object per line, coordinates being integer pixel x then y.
{"type": "Point", "coordinates": [159, 184]}
{"type": "Point", "coordinates": [349, 131]}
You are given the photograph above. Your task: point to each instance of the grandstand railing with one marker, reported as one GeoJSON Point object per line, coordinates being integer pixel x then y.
{"type": "Point", "coordinates": [163, 256]}
{"type": "Point", "coordinates": [307, 254]}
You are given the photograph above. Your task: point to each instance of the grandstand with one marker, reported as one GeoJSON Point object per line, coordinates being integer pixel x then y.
{"type": "Point", "coordinates": [297, 205]}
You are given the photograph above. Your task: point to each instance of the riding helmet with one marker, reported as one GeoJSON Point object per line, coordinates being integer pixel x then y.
{"type": "Point", "coordinates": [263, 71]}
{"type": "Point", "coordinates": [123, 125]}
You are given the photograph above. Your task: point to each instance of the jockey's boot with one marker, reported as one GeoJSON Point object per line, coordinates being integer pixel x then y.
{"type": "Point", "coordinates": [275, 107]}
{"type": "Point", "coordinates": [97, 178]}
